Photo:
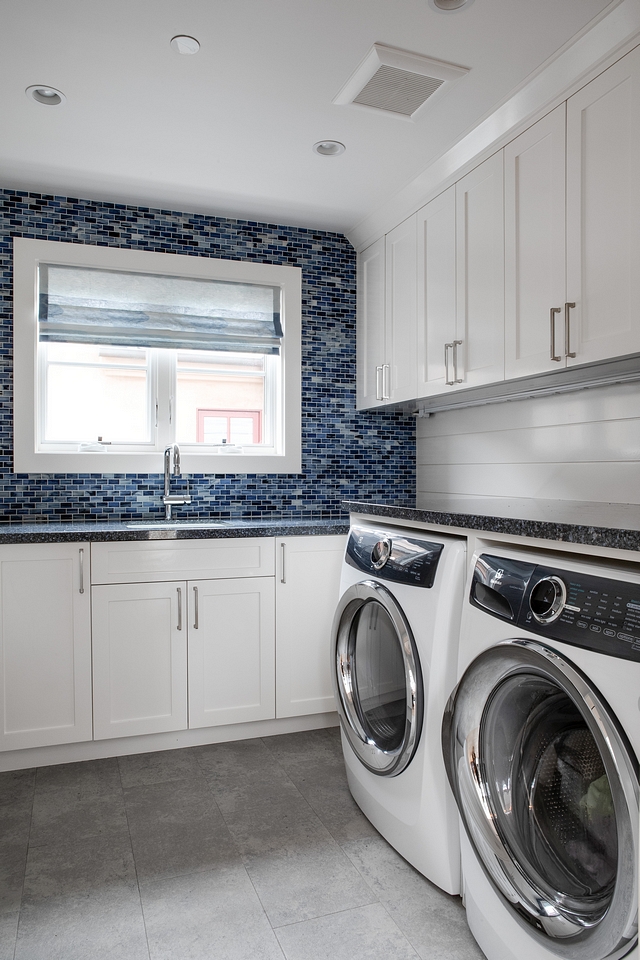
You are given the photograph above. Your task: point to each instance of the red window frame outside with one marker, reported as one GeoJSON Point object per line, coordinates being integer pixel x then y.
{"type": "Point", "coordinates": [256, 416]}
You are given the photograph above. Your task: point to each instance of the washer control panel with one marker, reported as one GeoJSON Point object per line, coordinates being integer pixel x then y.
{"type": "Point", "coordinates": [597, 613]}
{"type": "Point", "coordinates": [390, 555]}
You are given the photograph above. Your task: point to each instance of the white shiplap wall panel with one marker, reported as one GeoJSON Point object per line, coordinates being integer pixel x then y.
{"type": "Point", "coordinates": [578, 446]}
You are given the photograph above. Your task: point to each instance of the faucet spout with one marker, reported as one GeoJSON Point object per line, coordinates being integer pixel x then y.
{"type": "Point", "coordinates": [172, 466]}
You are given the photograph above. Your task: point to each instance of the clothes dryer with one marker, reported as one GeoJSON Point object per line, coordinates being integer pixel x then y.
{"type": "Point", "coordinates": [394, 655]}
{"type": "Point", "coordinates": [541, 739]}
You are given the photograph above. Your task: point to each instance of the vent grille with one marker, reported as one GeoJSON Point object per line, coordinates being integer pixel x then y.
{"type": "Point", "coordinates": [398, 91]}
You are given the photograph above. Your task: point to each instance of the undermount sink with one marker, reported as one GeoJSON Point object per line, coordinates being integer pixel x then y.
{"type": "Point", "coordinates": [176, 524]}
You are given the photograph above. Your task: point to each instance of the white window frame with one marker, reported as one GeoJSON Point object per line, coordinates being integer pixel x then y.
{"type": "Point", "coordinates": [27, 256]}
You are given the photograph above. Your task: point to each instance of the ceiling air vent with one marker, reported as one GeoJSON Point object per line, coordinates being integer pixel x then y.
{"type": "Point", "coordinates": [398, 82]}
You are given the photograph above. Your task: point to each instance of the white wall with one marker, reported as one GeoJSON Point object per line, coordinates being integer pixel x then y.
{"type": "Point", "coordinates": [582, 446]}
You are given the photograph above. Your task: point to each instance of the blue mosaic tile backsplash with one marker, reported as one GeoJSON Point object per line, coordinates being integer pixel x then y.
{"type": "Point", "coordinates": [345, 454]}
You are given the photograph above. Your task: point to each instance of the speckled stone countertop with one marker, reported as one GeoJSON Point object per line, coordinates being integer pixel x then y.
{"type": "Point", "coordinates": [183, 530]}
{"type": "Point", "coordinates": [615, 526]}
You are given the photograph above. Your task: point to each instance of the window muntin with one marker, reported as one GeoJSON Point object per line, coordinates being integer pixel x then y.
{"type": "Point", "coordinates": [42, 445]}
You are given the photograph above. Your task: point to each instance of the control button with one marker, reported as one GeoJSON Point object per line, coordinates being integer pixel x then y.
{"type": "Point", "coordinates": [582, 624]}
{"type": "Point", "coordinates": [609, 633]}
{"type": "Point", "coordinates": [626, 638]}
{"type": "Point", "coordinates": [380, 553]}
{"type": "Point", "coordinates": [594, 628]}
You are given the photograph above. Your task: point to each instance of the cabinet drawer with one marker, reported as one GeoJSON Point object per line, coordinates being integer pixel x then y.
{"type": "Point", "coordinates": [141, 561]}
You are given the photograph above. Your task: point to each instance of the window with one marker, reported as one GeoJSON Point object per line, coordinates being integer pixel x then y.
{"type": "Point", "coordinates": [119, 353]}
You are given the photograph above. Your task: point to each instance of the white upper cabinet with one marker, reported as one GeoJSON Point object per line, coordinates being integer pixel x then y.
{"type": "Point", "coordinates": [386, 322]}
{"type": "Point", "coordinates": [436, 290]}
{"type": "Point", "coordinates": [45, 645]}
{"type": "Point", "coordinates": [477, 355]}
{"type": "Point", "coordinates": [603, 214]}
{"type": "Point", "coordinates": [370, 324]}
{"type": "Point", "coordinates": [399, 369]}
{"type": "Point", "coordinates": [535, 295]}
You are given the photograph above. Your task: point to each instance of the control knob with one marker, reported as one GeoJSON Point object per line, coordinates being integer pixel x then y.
{"type": "Point", "coordinates": [547, 599]}
{"type": "Point", "coordinates": [380, 553]}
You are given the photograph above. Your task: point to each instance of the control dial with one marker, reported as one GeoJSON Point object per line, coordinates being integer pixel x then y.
{"type": "Point", "coordinates": [380, 553]}
{"type": "Point", "coordinates": [547, 599]}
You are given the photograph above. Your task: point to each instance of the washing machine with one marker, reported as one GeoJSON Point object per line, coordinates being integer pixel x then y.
{"type": "Point", "coordinates": [541, 739]}
{"type": "Point", "coordinates": [394, 655]}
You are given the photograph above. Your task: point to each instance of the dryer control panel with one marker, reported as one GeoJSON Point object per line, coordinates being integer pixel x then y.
{"type": "Point", "coordinates": [596, 613]}
{"type": "Point", "coordinates": [390, 555]}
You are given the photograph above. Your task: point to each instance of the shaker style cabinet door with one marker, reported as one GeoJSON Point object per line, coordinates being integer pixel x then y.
{"type": "Point", "coordinates": [399, 365]}
{"type": "Point", "coordinates": [603, 214]}
{"type": "Point", "coordinates": [139, 658]}
{"type": "Point", "coordinates": [436, 293]}
{"type": "Point", "coordinates": [370, 327]}
{"type": "Point", "coordinates": [231, 651]}
{"type": "Point", "coordinates": [45, 645]}
{"type": "Point", "coordinates": [535, 295]}
{"type": "Point", "coordinates": [307, 593]}
{"type": "Point", "coordinates": [478, 354]}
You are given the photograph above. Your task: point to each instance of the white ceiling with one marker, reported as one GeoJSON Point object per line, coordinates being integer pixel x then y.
{"type": "Point", "coordinates": [229, 131]}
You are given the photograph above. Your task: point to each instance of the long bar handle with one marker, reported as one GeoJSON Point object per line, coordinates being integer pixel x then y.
{"type": "Point", "coordinates": [448, 382]}
{"type": "Point", "coordinates": [195, 608]}
{"type": "Point", "coordinates": [379, 384]}
{"type": "Point", "coordinates": [386, 381]}
{"type": "Point", "coordinates": [552, 333]}
{"type": "Point", "coordinates": [567, 330]}
{"type": "Point", "coordinates": [179, 589]}
{"type": "Point", "coordinates": [283, 576]}
{"type": "Point", "coordinates": [81, 560]}
{"type": "Point", "coordinates": [456, 344]}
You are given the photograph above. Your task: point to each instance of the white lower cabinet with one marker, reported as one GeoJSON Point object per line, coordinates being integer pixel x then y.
{"type": "Point", "coordinates": [45, 645]}
{"type": "Point", "coordinates": [139, 658]}
{"type": "Point", "coordinates": [231, 651]}
{"type": "Point", "coordinates": [307, 593]}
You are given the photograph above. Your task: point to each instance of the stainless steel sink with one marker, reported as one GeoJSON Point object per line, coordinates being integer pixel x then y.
{"type": "Point", "coordinates": [176, 524]}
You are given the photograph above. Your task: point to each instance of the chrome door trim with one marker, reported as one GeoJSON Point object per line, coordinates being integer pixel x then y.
{"type": "Point", "coordinates": [615, 933]}
{"type": "Point", "coordinates": [385, 763]}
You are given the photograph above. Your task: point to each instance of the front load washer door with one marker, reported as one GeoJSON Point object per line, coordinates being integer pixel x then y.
{"type": "Point", "coordinates": [547, 787]}
{"type": "Point", "coordinates": [377, 679]}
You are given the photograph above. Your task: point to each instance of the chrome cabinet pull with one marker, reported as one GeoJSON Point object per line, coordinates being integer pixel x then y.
{"type": "Point", "coordinates": [81, 559]}
{"type": "Point", "coordinates": [283, 577]}
{"type": "Point", "coordinates": [448, 382]}
{"type": "Point", "coordinates": [195, 608]}
{"type": "Point", "coordinates": [456, 344]}
{"type": "Point", "coordinates": [567, 330]}
{"type": "Point", "coordinates": [379, 383]}
{"type": "Point", "coordinates": [552, 324]}
{"type": "Point", "coordinates": [386, 381]}
{"type": "Point", "coordinates": [179, 608]}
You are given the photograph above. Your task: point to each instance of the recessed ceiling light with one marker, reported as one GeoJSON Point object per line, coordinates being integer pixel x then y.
{"type": "Point", "coordinates": [41, 93]}
{"type": "Point", "coordinates": [449, 4]}
{"type": "Point", "coordinates": [187, 46]}
{"type": "Point", "coordinates": [329, 148]}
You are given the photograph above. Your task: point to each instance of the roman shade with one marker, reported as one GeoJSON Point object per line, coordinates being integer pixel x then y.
{"type": "Point", "coordinates": [88, 305]}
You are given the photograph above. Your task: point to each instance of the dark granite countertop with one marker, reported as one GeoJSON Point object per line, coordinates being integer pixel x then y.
{"type": "Point", "coordinates": [183, 530]}
{"type": "Point", "coordinates": [599, 525]}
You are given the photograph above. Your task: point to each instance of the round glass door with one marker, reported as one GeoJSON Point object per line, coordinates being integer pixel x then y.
{"type": "Point", "coordinates": [377, 678]}
{"type": "Point", "coordinates": [547, 788]}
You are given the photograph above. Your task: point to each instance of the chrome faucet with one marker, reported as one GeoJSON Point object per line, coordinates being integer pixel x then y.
{"type": "Point", "coordinates": [172, 466]}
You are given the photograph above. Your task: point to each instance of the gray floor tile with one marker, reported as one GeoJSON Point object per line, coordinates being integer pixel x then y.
{"type": "Point", "coordinates": [206, 916]}
{"type": "Point", "coordinates": [77, 869]}
{"type": "Point", "coordinates": [434, 922]}
{"type": "Point", "coordinates": [325, 787]}
{"type": "Point", "coordinates": [8, 933]}
{"type": "Point", "coordinates": [15, 822]}
{"type": "Point", "coordinates": [366, 933]}
{"type": "Point", "coordinates": [180, 802]}
{"type": "Point", "coordinates": [157, 767]}
{"type": "Point", "coordinates": [243, 770]}
{"type": "Point", "coordinates": [91, 778]}
{"type": "Point", "coordinates": [53, 822]}
{"type": "Point", "coordinates": [17, 785]}
{"type": "Point", "coordinates": [319, 746]}
{"type": "Point", "coordinates": [260, 827]}
{"type": "Point", "coordinates": [302, 874]}
{"type": "Point", "coordinates": [103, 926]}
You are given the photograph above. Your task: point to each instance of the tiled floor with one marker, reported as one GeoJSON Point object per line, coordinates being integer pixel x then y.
{"type": "Point", "coordinates": [240, 851]}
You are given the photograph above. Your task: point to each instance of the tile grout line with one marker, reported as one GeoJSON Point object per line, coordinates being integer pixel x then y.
{"type": "Point", "coordinates": [26, 860]}
{"type": "Point", "coordinates": [135, 865]}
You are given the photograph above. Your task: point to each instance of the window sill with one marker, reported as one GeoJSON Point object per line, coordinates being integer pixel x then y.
{"type": "Point", "coordinates": [148, 463]}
